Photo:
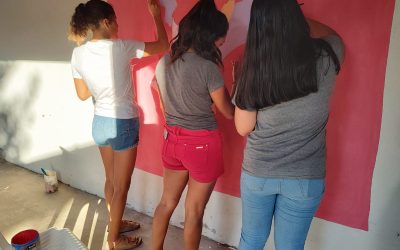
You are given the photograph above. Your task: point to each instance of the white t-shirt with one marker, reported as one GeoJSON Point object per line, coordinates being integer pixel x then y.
{"type": "Point", "coordinates": [104, 65]}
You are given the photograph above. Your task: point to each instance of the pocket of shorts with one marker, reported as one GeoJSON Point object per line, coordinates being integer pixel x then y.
{"type": "Point", "coordinates": [99, 134]}
{"type": "Point", "coordinates": [125, 129]}
{"type": "Point", "coordinates": [312, 188]}
{"type": "Point", "coordinates": [196, 154]}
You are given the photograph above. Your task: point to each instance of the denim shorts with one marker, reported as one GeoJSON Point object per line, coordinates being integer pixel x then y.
{"type": "Point", "coordinates": [120, 134]}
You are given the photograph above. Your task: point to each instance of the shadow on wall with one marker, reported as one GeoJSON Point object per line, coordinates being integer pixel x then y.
{"type": "Point", "coordinates": [15, 114]}
{"type": "Point", "coordinates": [81, 168]}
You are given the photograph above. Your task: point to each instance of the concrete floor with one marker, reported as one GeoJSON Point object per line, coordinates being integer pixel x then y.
{"type": "Point", "coordinates": [24, 204]}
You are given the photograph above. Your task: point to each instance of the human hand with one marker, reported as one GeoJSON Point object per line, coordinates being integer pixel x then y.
{"type": "Point", "coordinates": [154, 8]}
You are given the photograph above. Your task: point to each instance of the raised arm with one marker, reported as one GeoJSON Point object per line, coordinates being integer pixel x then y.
{"type": "Point", "coordinates": [319, 30]}
{"type": "Point", "coordinates": [228, 9]}
{"type": "Point", "coordinates": [161, 45]}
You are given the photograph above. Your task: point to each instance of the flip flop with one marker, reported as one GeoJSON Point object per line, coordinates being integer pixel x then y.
{"type": "Point", "coordinates": [128, 226]}
{"type": "Point", "coordinates": [126, 243]}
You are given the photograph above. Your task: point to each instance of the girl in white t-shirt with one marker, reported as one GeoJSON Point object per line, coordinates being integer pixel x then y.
{"type": "Point", "coordinates": [101, 69]}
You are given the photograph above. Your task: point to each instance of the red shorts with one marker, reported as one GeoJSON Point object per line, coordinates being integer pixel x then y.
{"type": "Point", "coordinates": [197, 151]}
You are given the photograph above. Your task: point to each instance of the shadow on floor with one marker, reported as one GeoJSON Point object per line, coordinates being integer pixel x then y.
{"type": "Point", "coordinates": [24, 204]}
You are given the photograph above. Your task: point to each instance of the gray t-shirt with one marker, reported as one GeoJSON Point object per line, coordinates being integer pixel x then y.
{"type": "Point", "coordinates": [289, 138]}
{"type": "Point", "coordinates": [185, 87]}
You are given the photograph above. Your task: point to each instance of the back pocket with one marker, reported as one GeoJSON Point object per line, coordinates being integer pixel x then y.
{"type": "Point", "coordinates": [312, 188]}
{"type": "Point", "coordinates": [196, 155]}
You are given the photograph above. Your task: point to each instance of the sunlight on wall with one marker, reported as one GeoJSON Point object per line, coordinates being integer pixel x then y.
{"type": "Point", "coordinates": [143, 90]}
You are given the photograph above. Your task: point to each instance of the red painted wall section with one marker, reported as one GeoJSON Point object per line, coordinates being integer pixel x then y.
{"type": "Point", "coordinates": [355, 121]}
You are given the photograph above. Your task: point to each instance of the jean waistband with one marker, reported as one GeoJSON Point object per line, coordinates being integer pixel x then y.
{"type": "Point", "coordinates": [176, 133]}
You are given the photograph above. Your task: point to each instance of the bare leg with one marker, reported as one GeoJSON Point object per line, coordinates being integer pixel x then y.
{"type": "Point", "coordinates": [124, 163]}
{"type": "Point", "coordinates": [196, 200]}
{"type": "Point", "coordinates": [107, 155]}
{"type": "Point", "coordinates": [174, 183]}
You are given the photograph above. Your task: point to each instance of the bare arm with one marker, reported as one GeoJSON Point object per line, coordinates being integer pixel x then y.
{"type": "Point", "coordinates": [319, 30]}
{"type": "Point", "coordinates": [161, 45]}
{"type": "Point", "coordinates": [245, 121]}
{"type": "Point", "coordinates": [228, 9]}
{"type": "Point", "coordinates": [222, 101]}
{"type": "Point", "coordinates": [82, 90]}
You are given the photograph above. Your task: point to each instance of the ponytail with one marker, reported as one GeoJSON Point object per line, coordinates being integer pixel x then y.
{"type": "Point", "coordinates": [78, 27]}
{"type": "Point", "coordinates": [88, 16]}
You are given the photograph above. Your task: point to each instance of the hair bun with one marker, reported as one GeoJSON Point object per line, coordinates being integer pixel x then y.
{"type": "Point", "coordinates": [80, 8]}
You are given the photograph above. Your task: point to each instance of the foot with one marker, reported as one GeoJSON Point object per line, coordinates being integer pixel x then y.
{"type": "Point", "coordinates": [126, 243]}
{"type": "Point", "coordinates": [127, 226]}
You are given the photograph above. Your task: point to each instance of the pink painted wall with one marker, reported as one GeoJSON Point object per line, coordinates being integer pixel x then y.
{"type": "Point", "coordinates": [354, 125]}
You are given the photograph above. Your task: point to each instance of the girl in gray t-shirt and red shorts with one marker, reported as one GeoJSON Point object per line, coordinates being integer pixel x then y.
{"type": "Point", "coordinates": [189, 82]}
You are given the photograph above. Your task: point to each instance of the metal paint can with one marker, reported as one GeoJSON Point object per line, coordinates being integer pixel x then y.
{"type": "Point", "coordinates": [26, 240]}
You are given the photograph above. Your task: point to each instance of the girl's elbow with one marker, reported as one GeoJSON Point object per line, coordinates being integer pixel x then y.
{"type": "Point", "coordinates": [83, 97]}
{"type": "Point", "coordinates": [242, 132]}
{"type": "Point", "coordinates": [242, 129]}
{"type": "Point", "coordinates": [165, 46]}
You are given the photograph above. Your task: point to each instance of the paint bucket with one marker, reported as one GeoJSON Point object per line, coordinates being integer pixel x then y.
{"type": "Point", "coordinates": [50, 181]}
{"type": "Point", "coordinates": [26, 240]}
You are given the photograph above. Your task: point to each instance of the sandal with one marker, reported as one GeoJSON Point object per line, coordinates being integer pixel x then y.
{"type": "Point", "coordinates": [128, 226]}
{"type": "Point", "coordinates": [126, 243]}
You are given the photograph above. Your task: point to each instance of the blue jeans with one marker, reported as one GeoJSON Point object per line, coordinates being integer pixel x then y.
{"type": "Point", "coordinates": [291, 202]}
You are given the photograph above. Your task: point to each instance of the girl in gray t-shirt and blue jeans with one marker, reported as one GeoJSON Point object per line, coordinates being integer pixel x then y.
{"type": "Point", "coordinates": [282, 105]}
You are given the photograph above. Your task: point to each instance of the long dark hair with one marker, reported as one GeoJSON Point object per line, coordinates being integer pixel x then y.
{"type": "Point", "coordinates": [280, 56]}
{"type": "Point", "coordinates": [199, 29]}
{"type": "Point", "coordinates": [88, 16]}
